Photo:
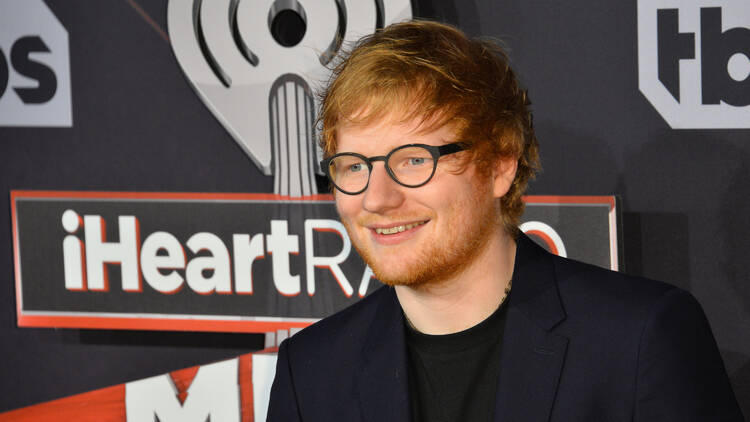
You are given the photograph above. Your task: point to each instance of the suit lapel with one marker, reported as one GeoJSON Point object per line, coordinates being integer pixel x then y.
{"type": "Point", "coordinates": [532, 356]}
{"type": "Point", "coordinates": [383, 380]}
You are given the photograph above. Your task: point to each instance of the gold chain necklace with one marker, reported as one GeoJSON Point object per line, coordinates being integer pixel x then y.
{"type": "Point", "coordinates": [505, 296]}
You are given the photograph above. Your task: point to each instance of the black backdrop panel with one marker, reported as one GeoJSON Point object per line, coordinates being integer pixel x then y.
{"type": "Point", "coordinates": [138, 126]}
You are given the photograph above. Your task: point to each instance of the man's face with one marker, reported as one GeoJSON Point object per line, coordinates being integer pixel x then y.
{"type": "Point", "coordinates": [414, 236]}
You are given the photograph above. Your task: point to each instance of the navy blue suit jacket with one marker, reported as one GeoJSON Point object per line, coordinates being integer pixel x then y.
{"type": "Point", "coordinates": [580, 344]}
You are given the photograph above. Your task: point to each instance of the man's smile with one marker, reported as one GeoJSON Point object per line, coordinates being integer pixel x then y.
{"type": "Point", "coordinates": [397, 228]}
{"type": "Point", "coordinates": [395, 233]}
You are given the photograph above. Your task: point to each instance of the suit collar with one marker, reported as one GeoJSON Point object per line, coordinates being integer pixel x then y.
{"type": "Point", "coordinates": [532, 355]}
{"type": "Point", "coordinates": [534, 284]}
{"type": "Point", "coordinates": [384, 378]}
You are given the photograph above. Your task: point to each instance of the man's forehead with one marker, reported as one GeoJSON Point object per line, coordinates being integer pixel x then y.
{"type": "Point", "coordinates": [393, 126]}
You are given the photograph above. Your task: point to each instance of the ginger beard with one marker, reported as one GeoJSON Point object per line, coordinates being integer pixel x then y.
{"type": "Point", "coordinates": [474, 220]}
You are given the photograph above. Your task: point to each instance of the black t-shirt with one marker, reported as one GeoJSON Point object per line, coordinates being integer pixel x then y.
{"type": "Point", "coordinates": [453, 377]}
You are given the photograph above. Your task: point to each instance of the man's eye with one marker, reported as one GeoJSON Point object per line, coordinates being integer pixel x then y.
{"type": "Point", "coordinates": [416, 161]}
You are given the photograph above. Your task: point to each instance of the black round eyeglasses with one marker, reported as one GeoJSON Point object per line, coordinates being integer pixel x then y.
{"type": "Point", "coordinates": [411, 165]}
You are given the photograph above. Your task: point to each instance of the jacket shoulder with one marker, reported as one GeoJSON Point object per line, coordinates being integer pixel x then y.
{"type": "Point", "coordinates": [602, 288]}
{"type": "Point", "coordinates": [345, 329]}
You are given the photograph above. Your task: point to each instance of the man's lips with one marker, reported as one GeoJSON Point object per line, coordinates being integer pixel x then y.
{"type": "Point", "coordinates": [392, 229]}
{"type": "Point", "coordinates": [397, 229]}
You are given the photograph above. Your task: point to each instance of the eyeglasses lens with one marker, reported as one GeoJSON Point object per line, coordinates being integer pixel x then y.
{"type": "Point", "coordinates": [412, 166]}
{"type": "Point", "coordinates": [349, 172]}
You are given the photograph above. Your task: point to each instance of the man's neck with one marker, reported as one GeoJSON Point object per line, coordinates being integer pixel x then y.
{"type": "Point", "coordinates": [463, 301]}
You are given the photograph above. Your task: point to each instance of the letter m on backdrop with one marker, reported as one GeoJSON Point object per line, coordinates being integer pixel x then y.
{"type": "Point", "coordinates": [214, 395]}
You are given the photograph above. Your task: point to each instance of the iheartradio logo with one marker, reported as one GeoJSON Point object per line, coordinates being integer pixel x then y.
{"type": "Point", "coordinates": [224, 262]}
{"type": "Point", "coordinates": [255, 64]}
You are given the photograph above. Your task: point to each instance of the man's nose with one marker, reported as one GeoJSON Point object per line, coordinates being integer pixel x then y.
{"type": "Point", "coordinates": [382, 193]}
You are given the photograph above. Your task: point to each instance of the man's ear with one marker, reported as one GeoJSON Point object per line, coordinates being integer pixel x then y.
{"type": "Point", "coordinates": [504, 173]}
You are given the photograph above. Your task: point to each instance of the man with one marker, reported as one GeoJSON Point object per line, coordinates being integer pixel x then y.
{"type": "Point", "coordinates": [429, 146]}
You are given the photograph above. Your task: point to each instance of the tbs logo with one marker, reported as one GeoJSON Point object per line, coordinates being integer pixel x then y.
{"type": "Point", "coordinates": [256, 63]}
{"type": "Point", "coordinates": [34, 66]}
{"type": "Point", "coordinates": [694, 61]}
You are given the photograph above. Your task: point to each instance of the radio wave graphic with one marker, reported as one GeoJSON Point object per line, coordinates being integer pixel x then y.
{"type": "Point", "coordinates": [255, 65]}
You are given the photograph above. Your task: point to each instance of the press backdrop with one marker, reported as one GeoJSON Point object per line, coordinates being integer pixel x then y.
{"type": "Point", "coordinates": [136, 124]}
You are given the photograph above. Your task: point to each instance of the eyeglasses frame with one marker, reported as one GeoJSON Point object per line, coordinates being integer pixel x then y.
{"type": "Point", "coordinates": [435, 151]}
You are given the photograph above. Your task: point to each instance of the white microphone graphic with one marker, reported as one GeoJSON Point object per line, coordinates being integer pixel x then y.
{"type": "Point", "coordinates": [255, 63]}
